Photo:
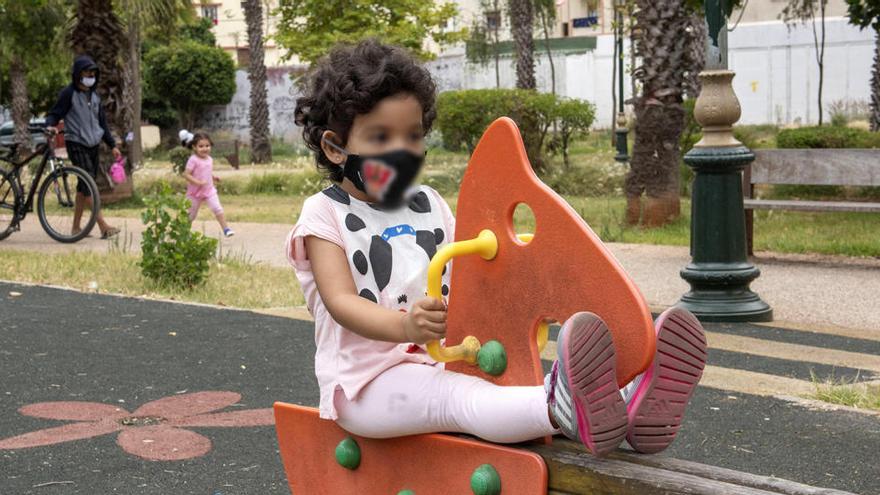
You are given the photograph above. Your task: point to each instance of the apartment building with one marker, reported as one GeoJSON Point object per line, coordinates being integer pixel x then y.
{"type": "Point", "coordinates": [230, 29]}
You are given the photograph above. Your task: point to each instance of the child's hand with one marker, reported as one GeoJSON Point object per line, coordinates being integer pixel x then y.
{"type": "Point", "coordinates": [425, 321]}
{"type": "Point", "coordinates": [216, 179]}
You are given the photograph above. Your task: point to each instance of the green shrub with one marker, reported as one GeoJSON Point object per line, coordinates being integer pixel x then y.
{"type": "Point", "coordinates": [178, 156]}
{"type": "Point", "coordinates": [463, 116]}
{"type": "Point", "coordinates": [574, 118]}
{"type": "Point", "coordinates": [827, 137]}
{"type": "Point", "coordinates": [172, 254]}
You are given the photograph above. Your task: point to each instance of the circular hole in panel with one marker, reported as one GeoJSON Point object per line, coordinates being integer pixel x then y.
{"type": "Point", "coordinates": [522, 224]}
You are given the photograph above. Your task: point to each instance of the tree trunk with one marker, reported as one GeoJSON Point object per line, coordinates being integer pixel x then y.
{"type": "Point", "coordinates": [875, 85]}
{"type": "Point", "coordinates": [655, 160]}
{"type": "Point", "coordinates": [495, 46]}
{"type": "Point", "coordinates": [665, 57]}
{"type": "Point", "coordinates": [20, 103]}
{"type": "Point", "coordinates": [522, 20]}
{"type": "Point", "coordinates": [261, 147]}
{"type": "Point", "coordinates": [98, 33]}
{"type": "Point", "coordinates": [819, 43]}
{"type": "Point", "coordinates": [133, 91]}
{"type": "Point", "coordinates": [549, 53]}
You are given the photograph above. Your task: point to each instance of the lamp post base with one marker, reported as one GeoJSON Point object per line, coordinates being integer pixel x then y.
{"type": "Point", "coordinates": [720, 292]}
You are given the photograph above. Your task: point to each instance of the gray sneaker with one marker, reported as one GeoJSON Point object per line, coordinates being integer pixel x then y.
{"type": "Point", "coordinates": [582, 386]}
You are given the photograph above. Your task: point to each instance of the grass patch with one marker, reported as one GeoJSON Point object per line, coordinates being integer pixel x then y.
{"type": "Point", "coordinates": [592, 185]}
{"type": "Point", "coordinates": [847, 234]}
{"type": "Point", "coordinates": [232, 280]}
{"type": "Point", "coordinates": [848, 393]}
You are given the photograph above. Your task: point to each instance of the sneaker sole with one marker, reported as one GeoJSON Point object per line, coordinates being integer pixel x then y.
{"type": "Point", "coordinates": [590, 367]}
{"type": "Point", "coordinates": [658, 405]}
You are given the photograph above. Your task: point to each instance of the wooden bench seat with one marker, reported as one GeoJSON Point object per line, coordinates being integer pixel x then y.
{"type": "Point", "coordinates": [821, 167]}
{"type": "Point", "coordinates": [781, 204]}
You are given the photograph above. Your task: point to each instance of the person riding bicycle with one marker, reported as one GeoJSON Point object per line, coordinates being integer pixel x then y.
{"type": "Point", "coordinates": [85, 126]}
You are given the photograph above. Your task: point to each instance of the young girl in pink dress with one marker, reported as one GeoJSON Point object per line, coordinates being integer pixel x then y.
{"type": "Point", "coordinates": [361, 249]}
{"type": "Point", "coordinates": [199, 175]}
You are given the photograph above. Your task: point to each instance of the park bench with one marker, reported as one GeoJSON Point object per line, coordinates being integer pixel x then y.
{"type": "Point", "coordinates": [827, 167]}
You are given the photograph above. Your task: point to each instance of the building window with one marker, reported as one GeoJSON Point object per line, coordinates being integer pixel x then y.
{"type": "Point", "coordinates": [493, 20]}
{"type": "Point", "coordinates": [211, 12]}
{"type": "Point", "coordinates": [565, 29]}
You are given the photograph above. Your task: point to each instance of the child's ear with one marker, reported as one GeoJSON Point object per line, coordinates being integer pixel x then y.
{"type": "Point", "coordinates": [330, 152]}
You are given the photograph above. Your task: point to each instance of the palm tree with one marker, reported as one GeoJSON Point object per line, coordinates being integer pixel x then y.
{"type": "Point", "coordinates": [546, 11]}
{"type": "Point", "coordinates": [18, 92]}
{"type": "Point", "coordinates": [866, 13]}
{"type": "Point", "coordinates": [875, 85]}
{"type": "Point", "coordinates": [135, 15]}
{"type": "Point", "coordinates": [261, 148]}
{"type": "Point", "coordinates": [521, 25]}
{"type": "Point", "coordinates": [663, 45]}
{"type": "Point", "coordinates": [97, 31]}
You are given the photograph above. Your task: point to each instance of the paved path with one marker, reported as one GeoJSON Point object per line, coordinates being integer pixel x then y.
{"type": "Point", "coordinates": [817, 291]}
{"type": "Point", "coordinates": [128, 370]}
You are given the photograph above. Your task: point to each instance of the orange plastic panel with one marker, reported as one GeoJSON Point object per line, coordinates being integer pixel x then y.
{"type": "Point", "coordinates": [563, 270]}
{"type": "Point", "coordinates": [426, 464]}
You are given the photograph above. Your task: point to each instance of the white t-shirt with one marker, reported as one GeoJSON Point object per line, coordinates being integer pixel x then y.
{"type": "Point", "coordinates": [388, 252]}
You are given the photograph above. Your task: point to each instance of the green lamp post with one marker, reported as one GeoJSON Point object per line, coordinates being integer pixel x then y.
{"type": "Point", "coordinates": [621, 130]}
{"type": "Point", "coordinates": [719, 272]}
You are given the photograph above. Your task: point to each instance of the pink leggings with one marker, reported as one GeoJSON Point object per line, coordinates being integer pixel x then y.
{"type": "Point", "coordinates": [213, 203]}
{"type": "Point", "coordinates": [411, 399]}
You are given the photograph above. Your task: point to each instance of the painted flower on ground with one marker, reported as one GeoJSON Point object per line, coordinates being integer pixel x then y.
{"type": "Point", "coordinates": [155, 431]}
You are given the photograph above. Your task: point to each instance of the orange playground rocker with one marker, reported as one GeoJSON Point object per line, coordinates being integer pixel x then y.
{"type": "Point", "coordinates": [508, 285]}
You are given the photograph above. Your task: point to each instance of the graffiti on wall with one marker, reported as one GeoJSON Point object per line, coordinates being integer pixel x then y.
{"type": "Point", "coordinates": [281, 94]}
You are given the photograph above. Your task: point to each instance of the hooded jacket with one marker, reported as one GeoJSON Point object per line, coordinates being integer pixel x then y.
{"type": "Point", "coordinates": [84, 119]}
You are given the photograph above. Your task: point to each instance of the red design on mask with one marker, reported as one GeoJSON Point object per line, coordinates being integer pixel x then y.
{"type": "Point", "coordinates": [377, 178]}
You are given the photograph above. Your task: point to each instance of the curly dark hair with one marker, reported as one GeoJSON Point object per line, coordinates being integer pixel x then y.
{"type": "Point", "coordinates": [350, 81]}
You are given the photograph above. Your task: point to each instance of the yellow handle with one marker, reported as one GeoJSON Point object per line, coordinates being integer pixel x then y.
{"type": "Point", "coordinates": [486, 245]}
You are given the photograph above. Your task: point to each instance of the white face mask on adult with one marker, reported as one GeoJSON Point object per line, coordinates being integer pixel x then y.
{"type": "Point", "coordinates": [88, 81]}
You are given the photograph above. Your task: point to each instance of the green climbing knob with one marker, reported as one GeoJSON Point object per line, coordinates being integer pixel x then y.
{"type": "Point", "coordinates": [348, 454]}
{"type": "Point", "coordinates": [492, 358]}
{"type": "Point", "coordinates": [406, 492]}
{"type": "Point", "coordinates": [485, 481]}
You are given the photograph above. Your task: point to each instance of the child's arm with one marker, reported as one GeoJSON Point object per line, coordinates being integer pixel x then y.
{"type": "Point", "coordinates": [192, 180]}
{"type": "Point", "coordinates": [425, 321]}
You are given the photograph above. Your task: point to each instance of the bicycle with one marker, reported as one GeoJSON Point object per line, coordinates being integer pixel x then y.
{"type": "Point", "coordinates": [56, 199]}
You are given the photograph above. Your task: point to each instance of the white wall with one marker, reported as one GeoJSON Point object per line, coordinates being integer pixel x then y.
{"type": "Point", "coordinates": [234, 117]}
{"type": "Point", "coordinates": [776, 82]}
{"type": "Point", "coordinates": [777, 76]}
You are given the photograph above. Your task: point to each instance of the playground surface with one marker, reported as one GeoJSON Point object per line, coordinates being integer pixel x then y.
{"type": "Point", "coordinates": [175, 398]}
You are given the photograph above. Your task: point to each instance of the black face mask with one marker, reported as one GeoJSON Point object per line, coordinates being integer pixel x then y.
{"type": "Point", "coordinates": [387, 177]}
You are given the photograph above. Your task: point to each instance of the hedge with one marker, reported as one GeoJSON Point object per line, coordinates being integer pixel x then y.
{"type": "Point", "coordinates": [463, 116]}
{"type": "Point", "coordinates": [827, 137]}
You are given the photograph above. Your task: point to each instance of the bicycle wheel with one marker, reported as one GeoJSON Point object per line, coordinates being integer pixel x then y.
{"type": "Point", "coordinates": [10, 199]}
{"type": "Point", "coordinates": [56, 205]}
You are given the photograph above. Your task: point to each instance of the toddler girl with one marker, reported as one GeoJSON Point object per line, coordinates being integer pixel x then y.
{"type": "Point", "coordinates": [199, 173]}
{"type": "Point", "coordinates": [361, 249]}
